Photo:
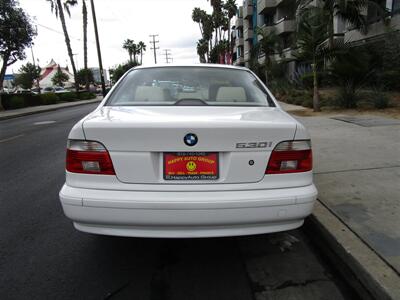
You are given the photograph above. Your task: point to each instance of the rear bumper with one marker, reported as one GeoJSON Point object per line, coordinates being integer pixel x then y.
{"type": "Point", "coordinates": [187, 214]}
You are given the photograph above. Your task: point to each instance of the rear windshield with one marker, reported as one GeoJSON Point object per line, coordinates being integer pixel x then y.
{"type": "Point", "coordinates": [190, 86]}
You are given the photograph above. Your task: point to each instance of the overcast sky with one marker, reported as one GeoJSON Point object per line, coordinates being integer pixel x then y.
{"type": "Point", "coordinates": [117, 20]}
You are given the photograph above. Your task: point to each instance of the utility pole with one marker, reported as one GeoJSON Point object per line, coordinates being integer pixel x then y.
{"type": "Point", "coordinates": [154, 42]}
{"type": "Point", "coordinates": [103, 84]}
{"type": "Point", "coordinates": [76, 54]}
{"type": "Point", "coordinates": [168, 55]}
{"type": "Point", "coordinates": [34, 65]}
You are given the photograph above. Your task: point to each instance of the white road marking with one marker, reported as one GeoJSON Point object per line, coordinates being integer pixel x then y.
{"type": "Point", "coordinates": [44, 122]}
{"type": "Point", "coordinates": [11, 138]}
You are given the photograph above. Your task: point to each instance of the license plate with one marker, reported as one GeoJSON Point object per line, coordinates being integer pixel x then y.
{"type": "Point", "coordinates": [191, 166]}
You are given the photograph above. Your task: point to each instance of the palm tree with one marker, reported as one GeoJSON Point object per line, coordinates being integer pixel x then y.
{"type": "Point", "coordinates": [206, 27]}
{"type": "Point", "coordinates": [217, 16]}
{"type": "Point", "coordinates": [85, 56]}
{"type": "Point", "coordinates": [312, 46]}
{"type": "Point", "coordinates": [268, 45]}
{"type": "Point", "coordinates": [142, 48]}
{"type": "Point", "coordinates": [230, 8]}
{"type": "Point", "coordinates": [58, 8]}
{"type": "Point", "coordinates": [135, 51]}
{"type": "Point", "coordinates": [198, 16]}
{"type": "Point", "coordinates": [202, 49]}
{"type": "Point", "coordinates": [128, 46]}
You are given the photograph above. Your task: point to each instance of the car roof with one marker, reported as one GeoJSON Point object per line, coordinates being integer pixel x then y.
{"type": "Point", "coordinates": [221, 66]}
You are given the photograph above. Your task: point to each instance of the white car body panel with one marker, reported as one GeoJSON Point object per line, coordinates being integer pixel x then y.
{"type": "Point", "coordinates": [137, 201]}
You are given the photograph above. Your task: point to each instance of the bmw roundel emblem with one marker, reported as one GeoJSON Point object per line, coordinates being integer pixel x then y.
{"type": "Point", "coordinates": [190, 139]}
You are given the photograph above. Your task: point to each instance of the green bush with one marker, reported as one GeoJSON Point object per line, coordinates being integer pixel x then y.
{"type": "Point", "coordinates": [308, 103]}
{"type": "Point", "coordinates": [69, 96]}
{"type": "Point", "coordinates": [48, 98]}
{"type": "Point", "coordinates": [307, 80]}
{"type": "Point", "coordinates": [390, 80]}
{"type": "Point", "coordinates": [379, 99]}
{"type": "Point", "coordinates": [17, 102]}
{"type": "Point", "coordinates": [347, 97]}
{"type": "Point", "coordinates": [86, 96]}
{"type": "Point", "coordinates": [28, 100]}
{"type": "Point", "coordinates": [298, 97]}
{"type": "Point", "coordinates": [32, 99]}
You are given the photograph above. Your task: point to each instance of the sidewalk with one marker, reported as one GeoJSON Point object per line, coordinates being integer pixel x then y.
{"type": "Point", "coordinates": [14, 113]}
{"type": "Point", "coordinates": [357, 173]}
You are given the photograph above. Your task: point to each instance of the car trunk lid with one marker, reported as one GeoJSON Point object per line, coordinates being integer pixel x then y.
{"type": "Point", "coordinates": [138, 136]}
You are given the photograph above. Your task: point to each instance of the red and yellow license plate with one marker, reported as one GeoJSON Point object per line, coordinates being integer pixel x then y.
{"type": "Point", "coordinates": [191, 166]}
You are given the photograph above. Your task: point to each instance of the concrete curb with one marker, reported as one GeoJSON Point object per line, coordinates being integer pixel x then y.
{"type": "Point", "coordinates": [364, 270]}
{"type": "Point", "coordinates": [39, 109]}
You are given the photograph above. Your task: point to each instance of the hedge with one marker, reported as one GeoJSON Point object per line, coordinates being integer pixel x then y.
{"type": "Point", "coordinates": [14, 101]}
{"type": "Point", "coordinates": [86, 95]}
{"type": "Point", "coordinates": [49, 98]}
{"type": "Point", "coordinates": [69, 96]}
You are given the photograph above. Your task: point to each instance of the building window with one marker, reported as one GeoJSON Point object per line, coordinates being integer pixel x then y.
{"type": "Point", "coordinates": [269, 19]}
{"type": "Point", "coordinates": [396, 7]}
{"type": "Point", "coordinates": [374, 14]}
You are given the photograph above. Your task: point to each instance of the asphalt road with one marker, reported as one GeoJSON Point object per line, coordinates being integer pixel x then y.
{"type": "Point", "coordinates": [43, 257]}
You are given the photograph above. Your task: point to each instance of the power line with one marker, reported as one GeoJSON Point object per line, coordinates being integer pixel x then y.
{"type": "Point", "coordinates": [62, 33]}
{"type": "Point", "coordinates": [168, 55]}
{"type": "Point", "coordinates": [154, 42]}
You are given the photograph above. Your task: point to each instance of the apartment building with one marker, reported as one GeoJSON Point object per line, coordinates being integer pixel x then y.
{"type": "Point", "coordinates": [279, 16]}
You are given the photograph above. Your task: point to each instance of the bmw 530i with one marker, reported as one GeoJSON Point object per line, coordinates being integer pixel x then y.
{"type": "Point", "coordinates": [188, 151]}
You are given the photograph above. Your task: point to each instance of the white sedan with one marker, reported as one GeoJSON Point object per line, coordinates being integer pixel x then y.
{"type": "Point", "coordinates": [216, 158]}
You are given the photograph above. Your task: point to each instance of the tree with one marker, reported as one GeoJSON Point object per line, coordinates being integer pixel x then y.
{"type": "Point", "coordinates": [129, 46]}
{"type": "Point", "coordinates": [215, 25]}
{"type": "Point", "coordinates": [85, 76]}
{"type": "Point", "coordinates": [217, 18]}
{"type": "Point", "coordinates": [311, 41]}
{"type": "Point", "coordinates": [142, 48]}
{"type": "Point", "coordinates": [198, 16]}
{"type": "Point", "coordinates": [58, 8]}
{"type": "Point", "coordinates": [230, 8]}
{"type": "Point", "coordinates": [60, 78]}
{"type": "Point", "coordinates": [85, 56]}
{"type": "Point", "coordinates": [119, 70]}
{"type": "Point", "coordinates": [351, 70]}
{"type": "Point", "coordinates": [135, 51]}
{"type": "Point", "coordinates": [269, 44]}
{"type": "Point", "coordinates": [28, 74]}
{"type": "Point", "coordinates": [206, 26]}
{"type": "Point", "coordinates": [16, 34]}
{"type": "Point", "coordinates": [202, 48]}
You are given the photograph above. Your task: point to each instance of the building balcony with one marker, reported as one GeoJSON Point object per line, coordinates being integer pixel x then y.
{"type": "Point", "coordinates": [239, 22]}
{"type": "Point", "coordinates": [267, 29]}
{"type": "Point", "coordinates": [247, 11]}
{"type": "Point", "coordinates": [287, 54]}
{"type": "Point", "coordinates": [285, 26]}
{"type": "Point", "coordinates": [239, 61]}
{"type": "Point", "coordinates": [247, 56]}
{"type": "Point", "coordinates": [239, 42]}
{"type": "Point", "coordinates": [265, 5]}
{"type": "Point", "coordinates": [248, 34]}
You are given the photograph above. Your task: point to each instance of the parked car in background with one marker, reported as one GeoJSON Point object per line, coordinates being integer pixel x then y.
{"type": "Point", "coordinates": [48, 90]}
{"type": "Point", "coordinates": [216, 158]}
{"type": "Point", "coordinates": [36, 90]}
{"type": "Point", "coordinates": [22, 91]}
{"type": "Point", "coordinates": [59, 90]}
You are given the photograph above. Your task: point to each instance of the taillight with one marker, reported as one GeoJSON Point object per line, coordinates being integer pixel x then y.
{"type": "Point", "coordinates": [290, 157]}
{"type": "Point", "coordinates": [88, 157]}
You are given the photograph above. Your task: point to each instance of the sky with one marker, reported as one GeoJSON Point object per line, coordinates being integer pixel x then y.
{"type": "Point", "coordinates": [117, 20]}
